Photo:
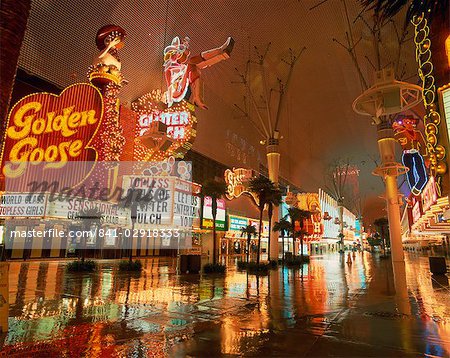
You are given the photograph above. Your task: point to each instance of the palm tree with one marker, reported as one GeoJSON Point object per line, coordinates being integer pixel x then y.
{"type": "Point", "coordinates": [298, 215]}
{"type": "Point", "coordinates": [293, 215]}
{"type": "Point", "coordinates": [382, 225]}
{"type": "Point", "coordinates": [304, 214]}
{"type": "Point", "coordinates": [248, 230]}
{"type": "Point", "coordinates": [88, 218]}
{"type": "Point", "coordinates": [274, 198]}
{"type": "Point", "coordinates": [215, 190]}
{"type": "Point", "coordinates": [262, 187]}
{"type": "Point", "coordinates": [284, 228]}
{"type": "Point", "coordinates": [387, 9]}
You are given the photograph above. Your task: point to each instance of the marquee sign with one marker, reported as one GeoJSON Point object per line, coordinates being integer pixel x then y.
{"type": "Point", "coordinates": [237, 182]}
{"type": "Point", "coordinates": [52, 130]}
{"type": "Point", "coordinates": [22, 205]}
{"type": "Point", "coordinates": [72, 208]}
{"type": "Point", "coordinates": [429, 194]}
{"type": "Point", "coordinates": [236, 223]}
{"type": "Point", "coordinates": [154, 212]}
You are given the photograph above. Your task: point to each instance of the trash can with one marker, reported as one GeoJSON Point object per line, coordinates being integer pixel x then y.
{"type": "Point", "coordinates": [194, 265]}
{"type": "Point", "coordinates": [438, 266]}
{"type": "Point", "coordinates": [184, 263]}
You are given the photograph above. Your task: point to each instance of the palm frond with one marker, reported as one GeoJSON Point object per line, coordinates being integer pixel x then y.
{"type": "Point", "coordinates": [387, 9]}
{"type": "Point", "coordinates": [214, 189]}
{"type": "Point", "coordinates": [248, 230]}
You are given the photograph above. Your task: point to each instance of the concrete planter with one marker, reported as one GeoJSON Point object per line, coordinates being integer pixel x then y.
{"type": "Point", "coordinates": [438, 266]}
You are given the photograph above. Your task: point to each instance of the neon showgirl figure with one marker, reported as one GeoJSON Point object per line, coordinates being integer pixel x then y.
{"type": "Point", "coordinates": [182, 72]}
{"type": "Point", "coordinates": [414, 149]}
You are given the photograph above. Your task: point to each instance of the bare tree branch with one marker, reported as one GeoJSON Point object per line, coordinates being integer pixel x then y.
{"type": "Point", "coordinates": [293, 60]}
{"type": "Point", "coordinates": [244, 81]}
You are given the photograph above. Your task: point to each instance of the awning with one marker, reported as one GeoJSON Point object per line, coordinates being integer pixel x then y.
{"type": "Point", "coordinates": [433, 220]}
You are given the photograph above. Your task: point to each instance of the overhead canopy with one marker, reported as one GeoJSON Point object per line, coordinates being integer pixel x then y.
{"type": "Point", "coordinates": [317, 123]}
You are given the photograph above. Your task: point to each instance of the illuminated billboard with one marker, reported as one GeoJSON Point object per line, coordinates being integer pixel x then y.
{"type": "Point", "coordinates": [52, 130]}
{"type": "Point", "coordinates": [207, 222]}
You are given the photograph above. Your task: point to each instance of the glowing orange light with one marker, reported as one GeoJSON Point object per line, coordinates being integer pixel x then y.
{"type": "Point", "coordinates": [447, 49]}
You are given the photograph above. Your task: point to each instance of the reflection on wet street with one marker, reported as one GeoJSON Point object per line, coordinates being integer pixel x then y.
{"type": "Point", "coordinates": [329, 308]}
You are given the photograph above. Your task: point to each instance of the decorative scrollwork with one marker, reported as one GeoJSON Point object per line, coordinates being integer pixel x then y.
{"type": "Point", "coordinates": [432, 118]}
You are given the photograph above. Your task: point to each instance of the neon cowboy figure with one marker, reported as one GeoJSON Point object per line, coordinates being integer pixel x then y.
{"type": "Point", "coordinates": [182, 71]}
{"type": "Point", "coordinates": [414, 146]}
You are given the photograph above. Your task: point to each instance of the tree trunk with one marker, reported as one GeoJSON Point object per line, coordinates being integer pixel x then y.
{"type": "Point", "coordinates": [214, 214]}
{"type": "Point", "coordinates": [301, 239]}
{"type": "Point", "coordinates": [258, 253]}
{"type": "Point", "coordinates": [341, 226]}
{"type": "Point", "coordinates": [282, 250]}
{"type": "Point", "coordinates": [214, 242]}
{"type": "Point", "coordinates": [270, 212]}
{"type": "Point", "coordinates": [249, 238]}
{"type": "Point", "coordinates": [131, 242]}
{"type": "Point", "coordinates": [301, 246]}
{"type": "Point", "coordinates": [83, 248]}
{"type": "Point", "coordinates": [293, 240]}
{"type": "Point", "coordinates": [86, 228]}
{"type": "Point", "coordinates": [13, 17]}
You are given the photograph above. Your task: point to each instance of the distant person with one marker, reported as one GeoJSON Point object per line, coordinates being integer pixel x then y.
{"type": "Point", "coordinates": [349, 259]}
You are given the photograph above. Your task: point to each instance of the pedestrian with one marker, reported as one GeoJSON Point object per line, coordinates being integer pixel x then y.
{"type": "Point", "coordinates": [349, 259]}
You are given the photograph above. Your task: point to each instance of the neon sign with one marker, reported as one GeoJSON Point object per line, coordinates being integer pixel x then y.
{"type": "Point", "coordinates": [176, 70]}
{"type": "Point", "coordinates": [237, 182]}
{"type": "Point", "coordinates": [176, 122]}
{"type": "Point", "coordinates": [163, 131]}
{"type": "Point", "coordinates": [436, 151]}
{"type": "Point", "coordinates": [414, 146]}
{"type": "Point", "coordinates": [429, 195]}
{"type": "Point", "coordinates": [50, 129]}
{"type": "Point", "coordinates": [208, 217]}
{"type": "Point", "coordinates": [166, 121]}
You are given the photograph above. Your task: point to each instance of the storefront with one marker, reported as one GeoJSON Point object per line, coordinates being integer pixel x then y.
{"type": "Point", "coordinates": [207, 245]}
{"type": "Point", "coordinates": [38, 227]}
{"type": "Point", "coordinates": [44, 225]}
{"type": "Point", "coordinates": [351, 226]}
{"type": "Point", "coordinates": [428, 218]}
{"type": "Point", "coordinates": [235, 242]}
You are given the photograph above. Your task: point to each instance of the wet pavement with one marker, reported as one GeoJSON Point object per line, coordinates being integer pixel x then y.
{"type": "Point", "coordinates": [329, 308]}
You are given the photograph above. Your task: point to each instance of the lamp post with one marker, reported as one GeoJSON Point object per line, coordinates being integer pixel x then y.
{"type": "Point", "coordinates": [341, 225]}
{"type": "Point", "coordinates": [273, 164]}
{"type": "Point", "coordinates": [381, 101]}
{"type": "Point", "coordinates": [269, 121]}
